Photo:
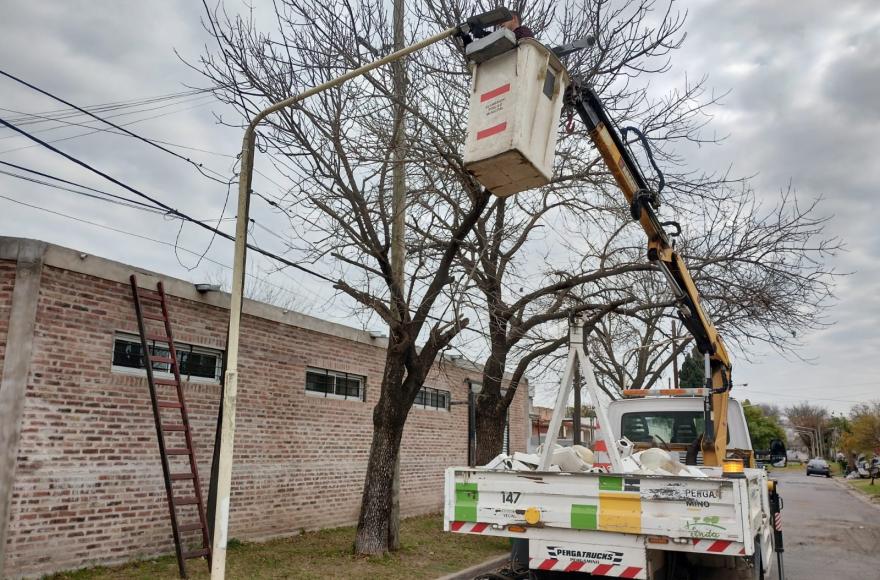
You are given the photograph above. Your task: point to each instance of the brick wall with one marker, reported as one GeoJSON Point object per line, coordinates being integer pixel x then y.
{"type": "Point", "coordinates": [7, 281]}
{"type": "Point", "coordinates": [89, 488]}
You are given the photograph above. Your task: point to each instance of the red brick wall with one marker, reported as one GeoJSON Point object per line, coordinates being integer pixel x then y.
{"type": "Point", "coordinates": [7, 281]}
{"type": "Point", "coordinates": [89, 487]}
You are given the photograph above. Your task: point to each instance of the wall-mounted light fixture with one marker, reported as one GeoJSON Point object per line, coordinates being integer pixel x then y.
{"type": "Point", "coordinates": [206, 287]}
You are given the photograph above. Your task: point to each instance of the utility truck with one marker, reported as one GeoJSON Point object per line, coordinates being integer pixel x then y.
{"type": "Point", "coordinates": [718, 518]}
{"type": "Point", "coordinates": [626, 525]}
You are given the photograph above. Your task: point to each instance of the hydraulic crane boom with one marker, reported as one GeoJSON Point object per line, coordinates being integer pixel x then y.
{"type": "Point", "coordinates": [643, 205]}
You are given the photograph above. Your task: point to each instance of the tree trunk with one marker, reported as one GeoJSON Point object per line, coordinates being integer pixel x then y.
{"type": "Point", "coordinates": [374, 525]}
{"type": "Point", "coordinates": [491, 420]}
{"type": "Point", "coordinates": [375, 519]}
{"type": "Point", "coordinates": [491, 410]}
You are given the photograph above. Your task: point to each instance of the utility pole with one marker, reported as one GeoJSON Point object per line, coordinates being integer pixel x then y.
{"type": "Point", "coordinates": [576, 415]}
{"type": "Point", "coordinates": [398, 229]}
{"type": "Point", "coordinates": [675, 383]}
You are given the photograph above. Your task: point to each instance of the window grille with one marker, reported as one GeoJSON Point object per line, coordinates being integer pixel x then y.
{"type": "Point", "coordinates": [335, 384]}
{"type": "Point", "coordinates": [430, 398]}
{"type": "Point", "coordinates": [195, 361]}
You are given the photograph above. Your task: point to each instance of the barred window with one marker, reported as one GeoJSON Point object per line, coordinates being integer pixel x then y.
{"type": "Point", "coordinates": [194, 361]}
{"type": "Point", "coordinates": [430, 398]}
{"type": "Point", "coordinates": [335, 384]}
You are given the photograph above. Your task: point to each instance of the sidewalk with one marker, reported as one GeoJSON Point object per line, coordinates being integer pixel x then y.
{"type": "Point", "coordinates": [482, 568]}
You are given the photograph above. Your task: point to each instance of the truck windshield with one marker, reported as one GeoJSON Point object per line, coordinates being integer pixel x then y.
{"type": "Point", "coordinates": [669, 426]}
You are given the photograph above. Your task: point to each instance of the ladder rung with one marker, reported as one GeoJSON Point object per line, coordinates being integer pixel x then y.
{"type": "Point", "coordinates": [161, 359]}
{"type": "Point", "coordinates": [181, 451]}
{"type": "Point", "coordinates": [154, 298]}
{"type": "Point", "coordinates": [196, 554]}
{"type": "Point", "coordinates": [152, 317]}
{"type": "Point", "coordinates": [185, 501]}
{"type": "Point", "coordinates": [181, 476]}
{"type": "Point", "coordinates": [169, 405]}
{"type": "Point", "coordinates": [171, 382]}
{"type": "Point", "coordinates": [157, 337]}
{"type": "Point", "coordinates": [173, 427]}
{"type": "Point", "coordinates": [189, 527]}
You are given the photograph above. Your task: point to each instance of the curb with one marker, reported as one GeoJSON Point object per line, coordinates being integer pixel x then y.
{"type": "Point", "coordinates": [854, 492]}
{"type": "Point", "coordinates": [482, 568]}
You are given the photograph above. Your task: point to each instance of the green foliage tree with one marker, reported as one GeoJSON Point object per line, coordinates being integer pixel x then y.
{"type": "Point", "coordinates": [864, 427]}
{"type": "Point", "coordinates": [762, 428]}
{"type": "Point", "coordinates": [692, 374]}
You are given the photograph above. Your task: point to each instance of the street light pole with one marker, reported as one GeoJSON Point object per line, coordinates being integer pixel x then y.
{"type": "Point", "coordinates": [230, 379]}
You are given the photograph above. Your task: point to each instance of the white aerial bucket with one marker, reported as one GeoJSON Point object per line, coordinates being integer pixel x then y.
{"type": "Point", "coordinates": [516, 100]}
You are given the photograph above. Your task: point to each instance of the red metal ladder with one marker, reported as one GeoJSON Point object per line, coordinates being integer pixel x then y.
{"type": "Point", "coordinates": [172, 431]}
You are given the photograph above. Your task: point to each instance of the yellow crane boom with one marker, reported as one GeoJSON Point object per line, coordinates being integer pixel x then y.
{"type": "Point", "coordinates": [643, 203]}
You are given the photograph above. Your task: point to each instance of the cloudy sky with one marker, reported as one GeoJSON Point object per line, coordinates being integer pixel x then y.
{"type": "Point", "coordinates": [804, 82]}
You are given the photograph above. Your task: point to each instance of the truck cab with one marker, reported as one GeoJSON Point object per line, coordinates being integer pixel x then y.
{"type": "Point", "coordinates": [672, 423]}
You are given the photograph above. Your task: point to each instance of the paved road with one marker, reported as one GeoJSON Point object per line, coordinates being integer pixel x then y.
{"type": "Point", "coordinates": [829, 534]}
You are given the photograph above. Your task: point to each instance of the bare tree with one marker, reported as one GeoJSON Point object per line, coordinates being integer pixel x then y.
{"type": "Point", "coordinates": [808, 416]}
{"type": "Point", "coordinates": [761, 272]}
{"type": "Point", "coordinates": [522, 265]}
{"type": "Point", "coordinates": [337, 151]}
{"type": "Point", "coordinates": [543, 256]}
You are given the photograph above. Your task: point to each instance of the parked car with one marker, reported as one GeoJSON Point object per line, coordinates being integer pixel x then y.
{"type": "Point", "coordinates": [818, 467]}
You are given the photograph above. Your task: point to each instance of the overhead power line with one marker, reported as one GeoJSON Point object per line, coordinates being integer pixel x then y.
{"type": "Point", "coordinates": [154, 142]}
{"type": "Point", "coordinates": [114, 198]}
{"type": "Point", "coordinates": [137, 206]}
{"type": "Point", "coordinates": [62, 122]}
{"type": "Point", "coordinates": [158, 203]}
{"type": "Point", "coordinates": [143, 237]}
{"type": "Point", "coordinates": [70, 113]}
{"type": "Point", "coordinates": [33, 87]}
{"type": "Point", "coordinates": [94, 129]}
{"type": "Point", "coordinates": [170, 210]}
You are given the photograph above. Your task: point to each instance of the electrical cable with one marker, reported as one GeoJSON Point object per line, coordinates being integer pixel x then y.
{"type": "Point", "coordinates": [101, 130]}
{"type": "Point", "coordinates": [198, 166]}
{"type": "Point", "coordinates": [120, 198]}
{"type": "Point", "coordinates": [142, 237]}
{"type": "Point", "coordinates": [138, 206]}
{"type": "Point", "coordinates": [152, 142]}
{"type": "Point", "coordinates": [67, 112]}
{"type": "Point", "coordinates": [64, 122]}
{"type": "Point", "coordinates": [158, 203]}
{"type": "Point", "coordinates": [123, 201]}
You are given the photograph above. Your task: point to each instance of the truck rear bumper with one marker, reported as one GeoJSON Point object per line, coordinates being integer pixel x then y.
{"type": "Point", "coordinates": [618, 561]}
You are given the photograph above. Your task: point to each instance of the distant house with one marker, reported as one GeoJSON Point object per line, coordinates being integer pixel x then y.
{"type": "Point", "coordinates": [540, 423]}
{"type": "Point", "coordinates": [80, 476]}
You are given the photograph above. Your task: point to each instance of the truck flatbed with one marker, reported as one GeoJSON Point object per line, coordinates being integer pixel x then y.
{"type": "Point", "coordinates": [608, 524]}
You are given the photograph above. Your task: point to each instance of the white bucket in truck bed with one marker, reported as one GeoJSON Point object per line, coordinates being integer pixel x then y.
{"type": "Point", "coordinates": [516, 100]}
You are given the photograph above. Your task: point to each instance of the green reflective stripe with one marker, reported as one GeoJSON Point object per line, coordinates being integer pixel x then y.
{"type": "Point", "coordinates": [466, 496]}
{"type": "Point", "coordinates": [610, 483]}
{"type": "Point", "coordinates": [583, 517]}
